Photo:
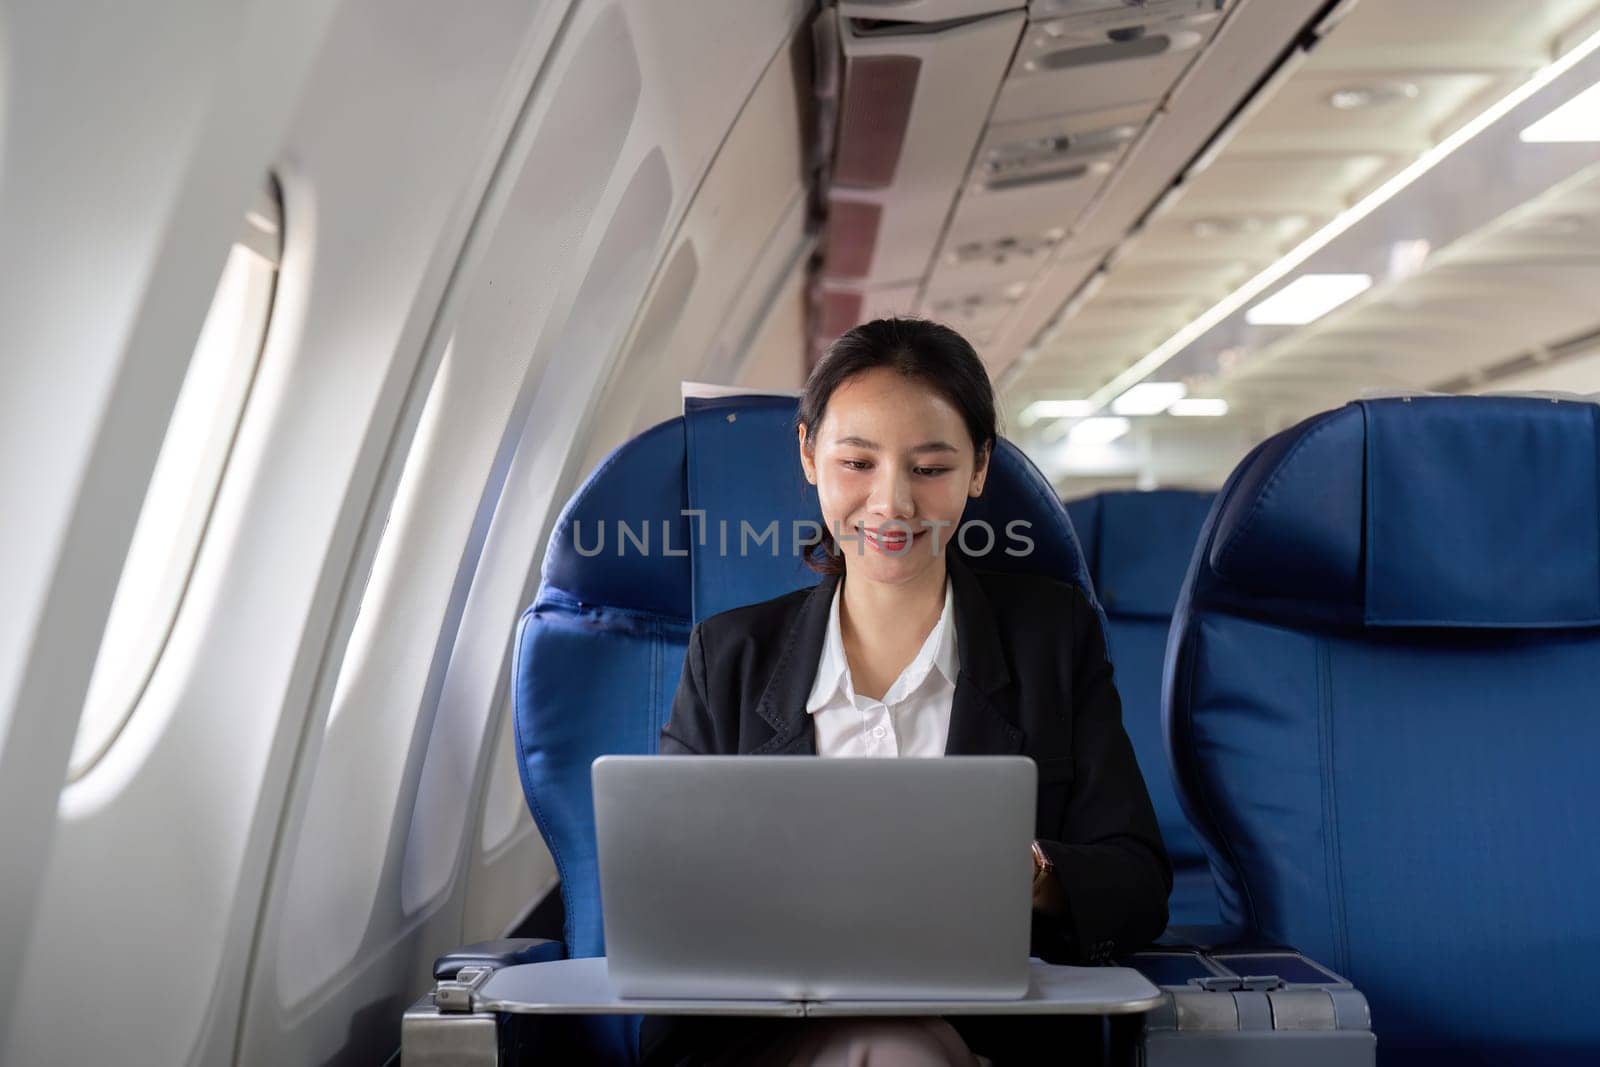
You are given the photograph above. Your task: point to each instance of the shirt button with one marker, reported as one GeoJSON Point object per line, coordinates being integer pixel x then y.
{"type": "Point", "coordinates": [879, 732]}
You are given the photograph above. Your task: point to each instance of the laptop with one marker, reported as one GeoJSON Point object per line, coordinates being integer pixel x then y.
{"type": "Point", "coordinates": [799, 878]}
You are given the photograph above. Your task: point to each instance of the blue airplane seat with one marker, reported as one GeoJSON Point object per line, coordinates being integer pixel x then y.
{"type": "Point", "coordinates": [1382, 705]}
{"type": "Point", "coordinates": [699, 514]}
{"type": "Point", "coordinates": [1138, 545]}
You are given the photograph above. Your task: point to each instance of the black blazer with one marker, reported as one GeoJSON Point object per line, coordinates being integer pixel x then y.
{"type": "Point", "coordinates": [1034, 680]}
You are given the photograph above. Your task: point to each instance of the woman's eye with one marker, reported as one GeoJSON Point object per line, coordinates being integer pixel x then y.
{"type": "Point", "coordinates": [929, 472]}
{"type": "Point", "coordinates": [855, 464]}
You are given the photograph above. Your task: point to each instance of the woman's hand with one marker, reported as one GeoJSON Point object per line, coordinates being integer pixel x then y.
{"type": "Point", "coordinates": [1047, 896]}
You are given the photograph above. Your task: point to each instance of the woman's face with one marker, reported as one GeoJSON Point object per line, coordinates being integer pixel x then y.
{"type": "Point", "coordinates": [893, 464]}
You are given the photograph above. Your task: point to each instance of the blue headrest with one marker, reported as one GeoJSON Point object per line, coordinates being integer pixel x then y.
{"type": "Point", "coordinates": [1419, 512]}
{"type": "Point", "coordinates": [1142, 543]}
{"type": "Point", "coordinates": [617, 542]}
{"type": "Point", "coordinates": [744, 474]}
{"type": "Point", "coordinates": [745, 480]}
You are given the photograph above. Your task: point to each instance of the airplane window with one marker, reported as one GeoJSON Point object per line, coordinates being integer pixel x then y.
{"type": "Point", "coordinates": [184, 483]}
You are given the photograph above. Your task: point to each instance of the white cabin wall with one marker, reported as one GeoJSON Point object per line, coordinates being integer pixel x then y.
{"type": "Point", "coordinates": [132, 139]}
{"type": "Point", "coordinates": [744, 232]}
{"type": "Point", "coordinates": [382, 170]}
{"type": "Point", "coordinates": [413, 226]}
{"type": "Point", "coordinates": [775, 362]}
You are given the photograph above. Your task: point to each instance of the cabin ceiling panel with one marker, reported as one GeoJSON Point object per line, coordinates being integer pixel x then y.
{"type": "Point", "coordinates": [1321, 112]}
{"type": "Point", "coordinates": [1311, 184]}
{"type": "Point", "coordinates": [1251, 38]}
{"type": "Point", "coordinates": [1171, 279]}
{"type": "Point", "coordinates": [994, 264]}
{"type": "Point", "coordinates": [1053, 286]}
{"type": "Point", "coordinates": [1242, 45]}
{"type": "Point", "coordinates": [1030, 182]}
{"type": "Point", "coordinates": [1384, 83]}
{"type": "Point", "coordinates": [1107, 58]}
{"type": "Point", "coordinates": [1254, 236]}
{"type": "Point", "coordinates": [1446, 34]}
{"type": "Point", "coordinates": [1496, 299]}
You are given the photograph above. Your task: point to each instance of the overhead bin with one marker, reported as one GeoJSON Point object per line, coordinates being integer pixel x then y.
{"type": "Point", "coordinates": [912, 110]}
{"type": "Point", "coordinates": [1098, 55]}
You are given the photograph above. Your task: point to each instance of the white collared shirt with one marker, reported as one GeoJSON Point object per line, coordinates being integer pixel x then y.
{"type": "Point", "coordinates": [912, 719]}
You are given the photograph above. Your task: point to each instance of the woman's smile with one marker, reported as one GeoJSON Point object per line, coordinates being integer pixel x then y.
{"type": "Point", "coordinates": [892, 540]}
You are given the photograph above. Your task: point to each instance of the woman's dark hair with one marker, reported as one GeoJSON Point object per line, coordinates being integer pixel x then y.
{"type": "Point", "coordinates": [924, 351]}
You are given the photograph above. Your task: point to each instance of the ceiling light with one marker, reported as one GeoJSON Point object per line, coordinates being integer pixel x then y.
{"type": "Point", "coordinates": [1098, 431]}
{"type": "Point", "coordinates": [1359, 97]}
{"type": "Point", "coordinates": [1407, 257]}
{"type": "Point", "coordinates": [1149, 398]}
{"type": "Point", "coordinates": [1307, 299]}
{"type": "Point", "coordinates": [1576, 120]}
{"type": "Point", "coordinates": [1199, 406]}
{"type": "Point", "coordinates": [1055, 409]}
{"type": "Point", "coordinates": [1347, 218]}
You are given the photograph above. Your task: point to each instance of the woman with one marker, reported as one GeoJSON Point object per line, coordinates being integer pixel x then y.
{"type": "Point", "coordinates": [905, 650]}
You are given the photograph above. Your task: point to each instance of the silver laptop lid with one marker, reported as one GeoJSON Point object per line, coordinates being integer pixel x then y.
{"type": "Point", "coordinates": [797, 877]}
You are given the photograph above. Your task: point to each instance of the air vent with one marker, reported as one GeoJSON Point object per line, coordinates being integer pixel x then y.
{"type": "Point", "coordinates": [1054, 152]}
{"type": "Point", "coordinates": [971, 305]}
{"type": "Point", "coordinates": [1046, 177]}
{"type": "Point", "coordinates": [852, 235]}
{"type": "Point", "coordinates": [878, 92]}
{"type": "Point", "coordinates": [840, 311]}
{"type": "Point", "coordinates": [1074, 51]}
{"type": "Point", "coordinates": [1002, 249]}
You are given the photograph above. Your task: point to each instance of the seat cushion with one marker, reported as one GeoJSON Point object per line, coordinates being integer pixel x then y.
{"type": "Point", "coordinates": [1416, 812]}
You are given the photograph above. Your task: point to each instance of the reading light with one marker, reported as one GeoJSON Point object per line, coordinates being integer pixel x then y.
{"type": "Point", "coordinates": [1101, 430]}
{"type": "Point", "coordinates": [1576, 120]}
{"type": "Point", "coordinates": [1199, 405]}
{"type": "Point", "coordinates": [1281, 267]}
{"type": "Point", "coordinates": [1149, 398]}
{"type": "Point", "coordinates": [1307, 299]}
{"type": "Point", "coordinates": [1055, 409]}
{"type": "Point", "coordinates": [1360, 97]}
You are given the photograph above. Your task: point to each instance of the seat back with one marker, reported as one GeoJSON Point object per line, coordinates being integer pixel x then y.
{"type": "Point", "coordinates": [698, 515]}
{"type": "Point", "coordinates": [1138, 545]}
{"type": "Point", "coordinates": [1382, 701]}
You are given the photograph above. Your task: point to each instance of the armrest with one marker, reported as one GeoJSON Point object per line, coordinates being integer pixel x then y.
{"type": "Point", "coordinates": [504, 952]}
{"type": "Point", "coordinates": [1229, 958]}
